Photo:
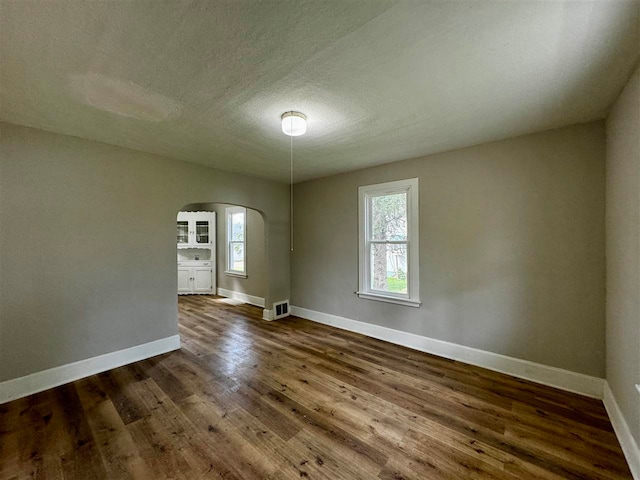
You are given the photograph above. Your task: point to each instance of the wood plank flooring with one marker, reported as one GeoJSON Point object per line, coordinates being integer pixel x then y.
{"type": "Point", "coordinates": [249, 399]}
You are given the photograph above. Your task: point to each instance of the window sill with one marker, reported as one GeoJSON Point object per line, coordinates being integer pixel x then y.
{"type": "Point", "coordinates": [235, 274]}
{"type": "Point", "coordinates": [389, 299]}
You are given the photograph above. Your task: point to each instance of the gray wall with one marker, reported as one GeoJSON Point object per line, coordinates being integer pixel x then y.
{"type": "Point", "coordinates": [256, 282]}
{"type": "Point", "coordinates": [623, 252]}
{"type": "Point", "coordinates": [511, 247]}
{"type": "Point", "coordinates": [87, 244]}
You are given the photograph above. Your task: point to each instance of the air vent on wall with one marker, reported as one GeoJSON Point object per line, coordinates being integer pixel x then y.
{"type": "Point", "coordinates": [281, 309]}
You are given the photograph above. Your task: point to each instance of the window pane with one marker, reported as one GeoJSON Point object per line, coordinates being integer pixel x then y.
{"type": "Point", "coordinates": [389, 267]}
{"type": "Point", "coordinates": [237, 257]}
{"type": "Point", "coordinates": [237, 227]}
{"type": "Point", "coordinates": [389, 217]}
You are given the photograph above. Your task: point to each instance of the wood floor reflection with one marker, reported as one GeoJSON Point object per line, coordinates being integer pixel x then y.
{"type": "Point", "coordinates": [291, 399]}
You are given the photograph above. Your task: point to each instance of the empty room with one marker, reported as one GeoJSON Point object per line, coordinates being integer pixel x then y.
{"type": "Point", "coordinates": [320, 239]}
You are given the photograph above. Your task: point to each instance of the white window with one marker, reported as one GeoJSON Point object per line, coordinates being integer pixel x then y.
{"type": "Point", "coordinates": [388, 233]}
{"type": "Point", "coordinates": [236, 241]}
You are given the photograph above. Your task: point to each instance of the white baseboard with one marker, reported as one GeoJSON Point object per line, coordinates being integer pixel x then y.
{"type": "Point", "coordinates": [243, 297]}
{"type": "Point", "coordinates": [620, 426]}
{"type": "Point", "coordinates": [53, 377]}
{"type": "Point", "coordinates": [535, 372]}
{"type": "Point", "coordinates": [267, 315]}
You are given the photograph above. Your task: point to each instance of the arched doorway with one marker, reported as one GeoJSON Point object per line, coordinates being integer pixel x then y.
{"type": "Point", "coordinates": [231, 241]}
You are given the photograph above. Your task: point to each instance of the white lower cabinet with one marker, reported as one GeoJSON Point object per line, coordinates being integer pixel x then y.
{"type": "Point", "coordinates": [202, 279]}
{"type": "Point", "coordinates": [195, 277]}
{"type": "Point", "coordinates": [184, 280]}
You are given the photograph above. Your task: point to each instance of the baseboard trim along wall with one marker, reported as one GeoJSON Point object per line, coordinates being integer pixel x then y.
{"type": "Point", "coordinates": [54, 377]}
{"type": "Point", "coordinates": [620, 426]}
{"type": "Point", "coordinates": [535, 372]}
{"type": "Point", "coordinates": [243, 297]}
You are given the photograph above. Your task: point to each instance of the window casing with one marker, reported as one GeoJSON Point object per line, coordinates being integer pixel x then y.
{"type": "Point", "coordinates": [236, 218]}
{"type": "Point", "coordinates": [388, 242]}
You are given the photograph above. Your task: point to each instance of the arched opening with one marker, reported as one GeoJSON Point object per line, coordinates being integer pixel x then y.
{"type": "Point", "coordinates": [222, 253]}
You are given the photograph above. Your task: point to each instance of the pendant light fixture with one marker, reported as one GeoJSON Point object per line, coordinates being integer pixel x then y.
{"type": "Point", "coordinates": [294, 124]}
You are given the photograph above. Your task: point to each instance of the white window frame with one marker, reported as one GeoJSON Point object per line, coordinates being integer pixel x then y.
{"type": "Point", "coordinates": [229, 270]}
{"type": "Point", "coordinates": [365, 193]}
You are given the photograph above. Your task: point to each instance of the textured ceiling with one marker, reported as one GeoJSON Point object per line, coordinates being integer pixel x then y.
{"type": "Point", "coordinates": [378, 80]}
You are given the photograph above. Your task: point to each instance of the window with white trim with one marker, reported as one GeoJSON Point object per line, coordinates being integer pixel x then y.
{"type": "Point", "coordinates": [236, 241]}
{"type": "Point", "coordinates": [388, 235]}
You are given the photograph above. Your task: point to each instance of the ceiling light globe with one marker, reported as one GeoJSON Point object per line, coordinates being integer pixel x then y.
{"type": "Point", "coordinates": [294, 124]}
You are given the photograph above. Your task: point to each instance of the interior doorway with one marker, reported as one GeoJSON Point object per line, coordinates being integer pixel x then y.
{"type": "Point", "coordinates": [222, 251]}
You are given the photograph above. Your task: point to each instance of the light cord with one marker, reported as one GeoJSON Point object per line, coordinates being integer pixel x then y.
{"type": "Point", "coordinates": [291, 185]}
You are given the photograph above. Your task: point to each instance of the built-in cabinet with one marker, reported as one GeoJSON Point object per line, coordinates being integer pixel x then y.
{"type": "Point", "coordinates": [196, 229]}
{"type": "Point", "coordinates": [195, 277]}
{"type": "Point", "coordinates": [196, 241]}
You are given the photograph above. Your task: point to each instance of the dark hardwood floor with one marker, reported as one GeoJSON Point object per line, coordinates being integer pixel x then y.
{"type": "Point", "coordinates": [249, 399]}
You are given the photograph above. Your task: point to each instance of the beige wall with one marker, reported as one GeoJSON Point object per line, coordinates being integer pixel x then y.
{"type": "Point", "coordinates": [623, 252]}
{"type": "Point", "coordinates": [256, 282]}
{"type": "Point", "coordinates": [87, 244]}
{"type": "Point", "coordinates": [511, 247]}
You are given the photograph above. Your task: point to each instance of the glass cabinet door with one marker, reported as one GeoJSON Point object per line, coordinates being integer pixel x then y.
{"type": "Point", "coordinates": [183, 232]}
{"type": "Point", "coordinates": [202, 232]}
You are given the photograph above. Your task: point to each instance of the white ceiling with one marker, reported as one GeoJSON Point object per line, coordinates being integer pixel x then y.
{"type": "Point", "coordinates": [379, 80]}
